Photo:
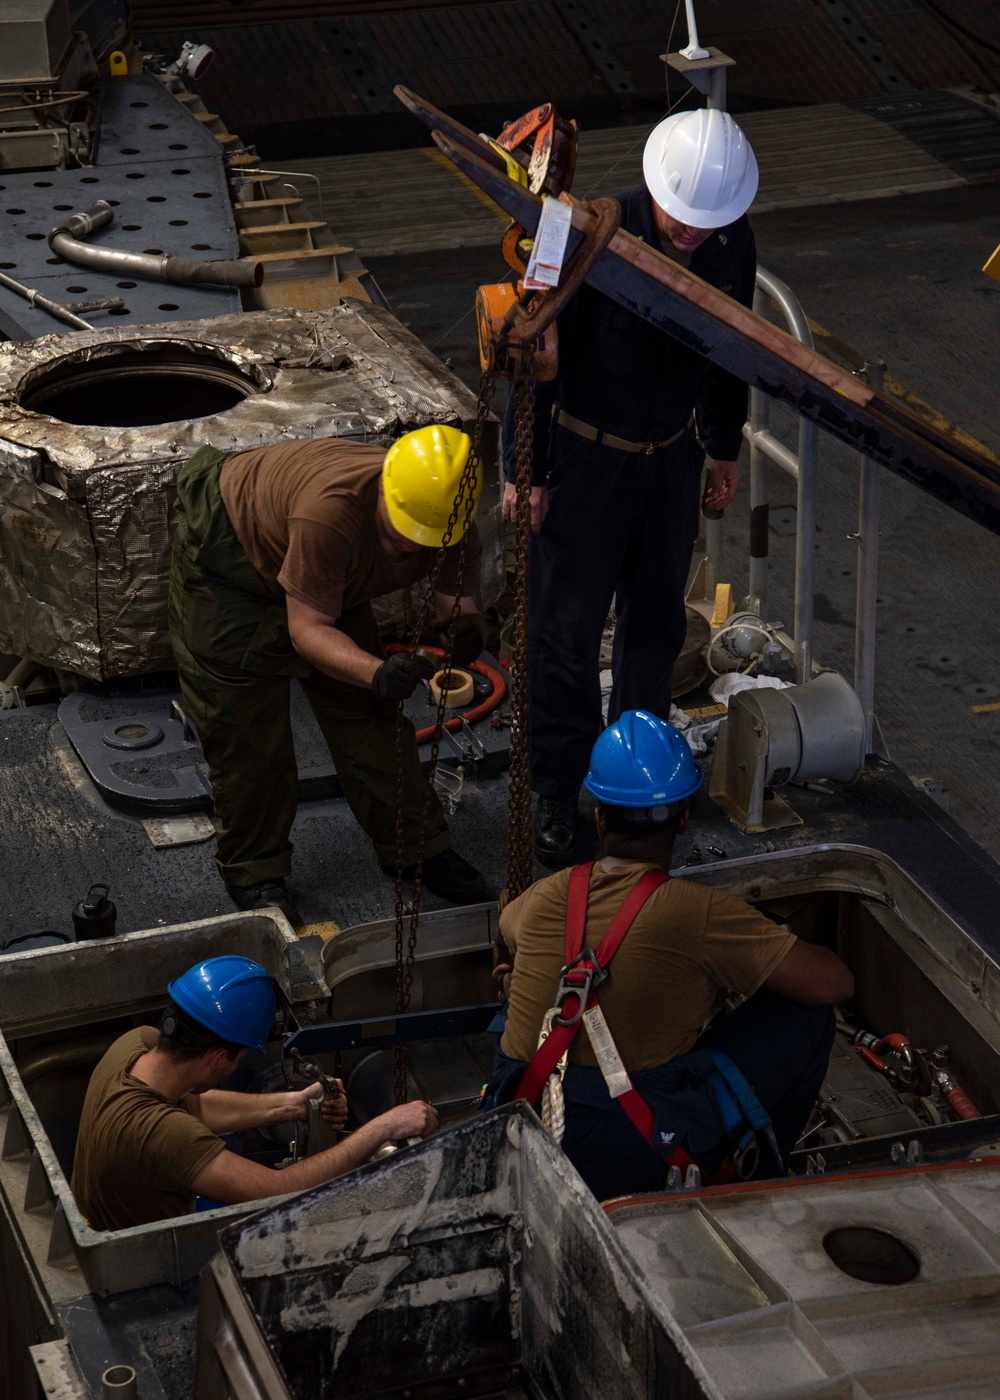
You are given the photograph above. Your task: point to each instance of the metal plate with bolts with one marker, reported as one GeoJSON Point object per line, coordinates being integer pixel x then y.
{"type": "Point", "coordinates": [151, 764]}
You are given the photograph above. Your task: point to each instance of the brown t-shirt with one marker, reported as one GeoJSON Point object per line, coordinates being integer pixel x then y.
{"type": "Point", "coordinates": [688, 948]}
{"type": "Point", "coordinates": [304, 513]}
{"type": "Point", "coordinates": [137, 1154]}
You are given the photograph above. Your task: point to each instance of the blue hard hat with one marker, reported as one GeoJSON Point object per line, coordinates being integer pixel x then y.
{"type": "Point", "coordinates": [230, 996]}
{"type": "Point", "coordinates": [641, 761]}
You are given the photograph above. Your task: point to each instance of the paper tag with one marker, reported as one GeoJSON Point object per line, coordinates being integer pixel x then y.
{"type": "Point", "coordinates": [549, 249]}
{"type": "Point", "coordinates": [606, 1051]}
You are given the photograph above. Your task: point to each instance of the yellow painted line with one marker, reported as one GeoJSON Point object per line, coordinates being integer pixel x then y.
{"type": "Point", "coordinates": [986, 709]}
{"type": "Point", "coordinates": [439, 158]}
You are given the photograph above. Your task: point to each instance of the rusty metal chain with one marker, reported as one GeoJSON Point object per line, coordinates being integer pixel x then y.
{"type": "Point", "coordinates": [465, 499]}
{"type": "Point", "coordinates": [519, 852]}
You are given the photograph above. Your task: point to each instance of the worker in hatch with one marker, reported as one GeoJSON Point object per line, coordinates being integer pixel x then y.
{"type": "Point", "coordinates": [277, 556]}
{"type": "Point", "coordinates": [621, 438]}
{"type": "Point", "coordinates": [733, 1098]}
{"type": "Point", "coordinates": [149, 1134]}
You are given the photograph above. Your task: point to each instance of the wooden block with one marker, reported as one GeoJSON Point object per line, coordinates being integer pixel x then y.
{"type": "Point", "coordinates": [723, 608]}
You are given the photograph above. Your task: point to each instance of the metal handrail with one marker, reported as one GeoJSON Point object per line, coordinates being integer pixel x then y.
{"type": "Point", "coordinates": [765, 448]}
{"type": "Point", "coordinates": [248, 176]}
{"type": "Point", "coordinates": [801, 465]}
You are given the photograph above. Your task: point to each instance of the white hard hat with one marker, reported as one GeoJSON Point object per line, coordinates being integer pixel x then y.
{"type": "Point", "coordinates": [700, 167]}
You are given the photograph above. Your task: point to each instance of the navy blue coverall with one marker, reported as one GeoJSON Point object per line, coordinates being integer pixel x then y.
{"type": "Point", "coordinates": [621, 526]}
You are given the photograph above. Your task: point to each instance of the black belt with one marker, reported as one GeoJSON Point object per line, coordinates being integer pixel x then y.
{"type": "Point", "coordinates": [598, 435]}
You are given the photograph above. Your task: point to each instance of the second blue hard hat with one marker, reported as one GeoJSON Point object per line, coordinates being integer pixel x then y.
{"type": "Point", "coordinates": [231, 996]}
{"type": "Point", "coordinates": [641, 761]}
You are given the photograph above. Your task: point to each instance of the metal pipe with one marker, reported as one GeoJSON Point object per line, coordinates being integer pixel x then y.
{"type": "Point", "coordinates": [773, 448]}
{"type": "Point", "coordinates": [805, 549]}
{"type": "Point", "coordinates": [23, 673]}
{"type": "Point", "coordinates": [788, 303]}
{"type": "Point", "coordinates": [120, 1383]}
{"type": "Point", "coordinates": [53, 308]}
{"type": "Point", "coordinates": [156, 267]}
{"type": "Point", "coordinates": [73, 1054]}
{"type": "Point", "coordinates": [715, 555]}
{"type": "Point", "coordinates": [759, 490]}
{"type": "Point", "coordinates": [867, 602]}
{"type": "Point", "coordinates": [803, 467]}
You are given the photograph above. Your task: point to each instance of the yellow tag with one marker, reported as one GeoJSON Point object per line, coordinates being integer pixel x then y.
{"type": "Point", "coordinates": [723, 604]}
{"type": "Point", "coordinates": [118, 64]}
{"type": "Point", "coordinates": [515, 170]}
{"type": "Point", "coordinates": [992, 268]}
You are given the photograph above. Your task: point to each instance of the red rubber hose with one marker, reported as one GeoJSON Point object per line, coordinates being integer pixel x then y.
{"type": "Point", "coordinates": [962, 1104]}
{"type": "Point", "coordinates": [424, 736]}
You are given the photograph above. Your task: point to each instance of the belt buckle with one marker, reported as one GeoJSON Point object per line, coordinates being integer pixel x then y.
{"type": "Point", "coordinates": [649, 448]}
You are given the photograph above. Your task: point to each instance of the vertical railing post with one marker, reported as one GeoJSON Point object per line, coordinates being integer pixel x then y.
{"type": "Point", "coordinates": [805, 549]}
{"type": "Point", "coordinates": [867, 602]}
{"type": "Point", "coordinates": [760, 418]}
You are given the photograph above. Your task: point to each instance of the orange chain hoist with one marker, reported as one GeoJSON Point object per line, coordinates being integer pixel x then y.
{"type": "Point", "coordinates": [539, 150]}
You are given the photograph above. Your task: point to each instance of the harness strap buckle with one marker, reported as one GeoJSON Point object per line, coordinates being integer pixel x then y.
{"type": "Point", "coordinates": [578, 978]}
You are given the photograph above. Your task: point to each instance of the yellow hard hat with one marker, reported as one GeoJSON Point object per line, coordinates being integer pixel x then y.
{"type": "Point", "coordinates": [420, 477]}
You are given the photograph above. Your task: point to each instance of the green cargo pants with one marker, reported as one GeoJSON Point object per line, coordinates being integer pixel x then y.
{"type": "Point", "coordinates": [229, 630]}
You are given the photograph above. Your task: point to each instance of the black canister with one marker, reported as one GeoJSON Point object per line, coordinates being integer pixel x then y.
{"type": "Point", "coordinates": [95, 915]}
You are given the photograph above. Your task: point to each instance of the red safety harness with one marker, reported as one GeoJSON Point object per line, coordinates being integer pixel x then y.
{"type": "Point", "coordinates": [583, 973]}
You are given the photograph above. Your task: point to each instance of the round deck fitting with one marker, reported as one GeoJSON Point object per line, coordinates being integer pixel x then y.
{"type": "Point", "coordinates": [132, 734]}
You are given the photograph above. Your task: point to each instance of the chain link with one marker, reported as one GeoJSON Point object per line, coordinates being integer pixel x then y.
{"type": "Point", "coordinates": [465, 500]}
{"type": "Point", "coordinates": [519, 853]}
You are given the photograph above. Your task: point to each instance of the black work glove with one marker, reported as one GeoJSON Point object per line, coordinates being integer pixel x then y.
{"type": "Point", "coordinates": [470, 637]}
{"type": "Point", "coordinates": [398, 677]}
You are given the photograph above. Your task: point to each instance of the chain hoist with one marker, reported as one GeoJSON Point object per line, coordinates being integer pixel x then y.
{"type": "Point", "coordinates": [465, 500]}
{"type": "Point", "coordinates": [511, 349]}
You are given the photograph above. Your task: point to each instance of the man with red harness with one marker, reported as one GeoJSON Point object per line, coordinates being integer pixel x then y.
{"type": "Point", "coordinates": [616, 1039]}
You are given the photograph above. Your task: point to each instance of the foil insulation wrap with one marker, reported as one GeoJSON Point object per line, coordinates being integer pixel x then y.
{"type": "Point", "coordinates": [86, 512]}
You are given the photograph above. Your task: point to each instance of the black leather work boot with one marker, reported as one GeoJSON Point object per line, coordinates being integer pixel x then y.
{"type": "Point", "coordinates": [557, 831]}
{"type": "Point", "coordinates": [267, 894]}
{"type": "Point", "coordinates": [447, 874]}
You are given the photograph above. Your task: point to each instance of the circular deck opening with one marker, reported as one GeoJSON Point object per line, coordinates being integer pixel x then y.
{"type": "Point", "coordinates": [870, 1255]}
{"type": "Point", "coordinates": [132, 386]}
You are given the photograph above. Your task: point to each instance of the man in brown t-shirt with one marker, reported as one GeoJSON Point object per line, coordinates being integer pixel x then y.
{"type": "Point", "coordinates": [277, 556]}
{"type": "Point", "coordinates": [149, 1132]}
{"type": "Point", "coordinates": [689, 948]}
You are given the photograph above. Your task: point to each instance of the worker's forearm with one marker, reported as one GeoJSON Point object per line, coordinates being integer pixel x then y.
{"type": "Point", "coordinates": [353, 1151]}
{"type": "Point", "coordinates": [224, 1111]}
{"type": "Point", "coordinates": [335, 654]}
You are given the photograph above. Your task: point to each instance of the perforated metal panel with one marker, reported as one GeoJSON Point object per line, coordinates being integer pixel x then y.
{"type": "Point", "coordinates": [165, 176]}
